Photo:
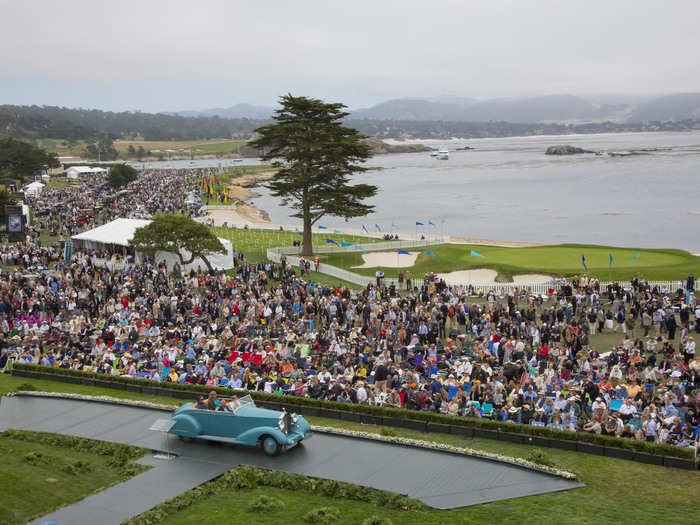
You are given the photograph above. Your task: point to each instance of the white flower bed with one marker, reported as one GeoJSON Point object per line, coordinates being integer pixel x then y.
{"type": "Point", "coordinates": [429, 445]}
{"type": "Point", "coordinates": [80, 397]}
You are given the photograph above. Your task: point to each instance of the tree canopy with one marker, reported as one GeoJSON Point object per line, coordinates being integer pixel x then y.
{"type": "Point", "coordinates": [121, 175]}
{"type": "Point", "coordinates": [19, 160]}
{"type": "Point", "coordinates": [174, 233]}
{"type": "Point", "coordinates": [5, 200]}
{"type": "Point", "coordinates": [318, 155]}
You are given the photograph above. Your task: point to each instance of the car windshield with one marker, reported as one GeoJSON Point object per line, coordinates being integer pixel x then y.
{"type": "Point", "coordinates": [243, 401]}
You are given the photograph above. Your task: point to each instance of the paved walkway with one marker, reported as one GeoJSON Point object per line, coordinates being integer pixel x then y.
{"type": "Point", "coordinates": [439, 479]}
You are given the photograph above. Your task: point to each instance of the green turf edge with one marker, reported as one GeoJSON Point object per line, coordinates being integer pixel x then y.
{"type": "Point", "coordinates": [119, 456]}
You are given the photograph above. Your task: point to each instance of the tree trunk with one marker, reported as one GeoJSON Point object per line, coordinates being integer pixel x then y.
{"type": "Point", "coordinates": [307, 247]}
{"type": "Point", "coordinates": [206, 261]}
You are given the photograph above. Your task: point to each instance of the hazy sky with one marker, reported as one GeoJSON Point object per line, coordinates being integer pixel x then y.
{"type": "Point", "coordinates": [155, 55]}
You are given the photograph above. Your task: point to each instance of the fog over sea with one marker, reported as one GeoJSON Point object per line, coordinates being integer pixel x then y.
{"type": "Point", "coordinates": [508, 189]}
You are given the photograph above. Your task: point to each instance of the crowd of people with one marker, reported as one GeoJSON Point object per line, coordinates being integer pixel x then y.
{"type": "Point", "coordinates": [514, 356]}
{"type": "Point", "coordinates": [67, 209]}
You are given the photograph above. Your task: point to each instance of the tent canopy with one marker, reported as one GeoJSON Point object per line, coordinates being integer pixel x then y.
{"type": "Point", "coordinates": [120, 231]}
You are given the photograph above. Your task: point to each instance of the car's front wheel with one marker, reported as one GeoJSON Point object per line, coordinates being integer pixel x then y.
{"type": "Point", "coordinates": [270, 446]}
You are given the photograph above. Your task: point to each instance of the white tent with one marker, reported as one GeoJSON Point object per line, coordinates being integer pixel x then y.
{"type": "Point", "coordinates": [34, 188]}
{"type": "Point", "coordinates": [119, 232]}
{"type": "Point", "coordinates": [75, 172]}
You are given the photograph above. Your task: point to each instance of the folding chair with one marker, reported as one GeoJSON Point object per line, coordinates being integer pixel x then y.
{"type": "Point", "coordinates": [615, 405]}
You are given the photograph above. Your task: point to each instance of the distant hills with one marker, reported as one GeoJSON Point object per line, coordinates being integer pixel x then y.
{"type": "Point", "coordinates": [238, 111]}
{"type": "Point", "coordinates": [544, 109]}
{"type": "Point", "coordinates": [672, 107]}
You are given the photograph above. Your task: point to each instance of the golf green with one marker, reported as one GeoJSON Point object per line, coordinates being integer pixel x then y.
{"type": "Point", "coordinates": [558, 260]}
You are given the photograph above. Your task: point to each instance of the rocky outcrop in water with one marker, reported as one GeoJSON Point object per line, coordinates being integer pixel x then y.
{"type": "Point", "coordinates": [565, 150]}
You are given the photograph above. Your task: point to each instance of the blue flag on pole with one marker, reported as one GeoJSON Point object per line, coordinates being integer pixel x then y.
{"type": "Point", "coordinates": [337, 231]}
{"type": "Point", "coordinates": [611, 260]}
{"type": "Point", "coordinates": [476, 254]}
{"type": "Point", "coordinates": [331, 241]}
{"type": "Point", "coordinates": [419, 223]}
{"type": "Point", "coordinates": [583, 261]}
{"type": "Point", "coordinates": [404, 252]}
{"type": "Point", "coordinates": [432, 224]}
{"type": "Point", "coordinates": [322, 227]}
{"type": "Point", "coordinates": [394, 226]}
{"type": "Point", "coordinates": [634, 258]}
{"type": "Point", "coordinates": [343, 243]}
{"type": "Point", "coordinates": [364, 228]}
{"type": "Point", "coordinates": [443, 221]}
{"type": "Point", "coordinates": [378, 228]}
{"type": "Point", "coordinates": [431, 253]}
{"type": "Point", "coordinates": [357, 246]}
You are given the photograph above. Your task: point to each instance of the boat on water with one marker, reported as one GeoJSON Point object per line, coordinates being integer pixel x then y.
{"type": "Point", "coordinates": [443, 154]}
{"type": "Point", "coordinates": [433, 153]}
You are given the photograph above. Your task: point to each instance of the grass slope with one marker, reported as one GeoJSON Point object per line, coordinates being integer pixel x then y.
{"type": "Point", "coordinates": [557, 260]}
{"type": "Point", "coordinates": [37, 478]}
{"type": "Point", "coordinates": [617, 490]}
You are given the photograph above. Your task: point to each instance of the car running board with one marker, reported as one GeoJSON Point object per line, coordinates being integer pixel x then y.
{"type": "Point", "coordinates": [217, 438]}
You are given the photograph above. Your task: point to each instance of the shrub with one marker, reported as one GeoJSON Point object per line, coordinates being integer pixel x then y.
{"type": "Point", "coordinates": [322, 515]}
{"type": "Point", "coordinates": [388, 432]}
{"type": "Point", "coordinates": [266, 504]}
{"type": "Point", "coordinates": [76, 467]}
{"type": "Point", "coordinates": [540, 457]}
{"type": "Point", "coordinates": [27, 387]}
{"type": "Point", "coordinates": [37, 458]}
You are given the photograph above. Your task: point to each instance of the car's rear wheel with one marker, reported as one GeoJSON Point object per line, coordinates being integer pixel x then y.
{"type": "Point", "coordinates": [270, 446]}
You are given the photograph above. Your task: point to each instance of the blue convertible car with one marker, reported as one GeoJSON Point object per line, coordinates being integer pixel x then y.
{"type": "Point", "coordinates": [239, 421]}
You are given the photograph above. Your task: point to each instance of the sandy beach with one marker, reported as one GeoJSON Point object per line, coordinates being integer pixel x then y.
{"type": "Point", "coordinates": [239, 191]}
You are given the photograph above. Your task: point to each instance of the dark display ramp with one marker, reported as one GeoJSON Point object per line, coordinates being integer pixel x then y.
{"type": "Point", "coordinates": [441, 480]}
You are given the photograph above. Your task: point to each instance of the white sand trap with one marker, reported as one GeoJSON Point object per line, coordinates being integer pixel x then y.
{"type": "Point", "coordinates": [388, 260]}
{"type": "Point", "coordinates": [485, 276]}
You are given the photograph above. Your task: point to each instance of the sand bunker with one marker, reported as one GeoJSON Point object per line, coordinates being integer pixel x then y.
{"type": "Point", "coordinates": [388, 260]}
{"type": "Point", "coordinates": [485, 276]}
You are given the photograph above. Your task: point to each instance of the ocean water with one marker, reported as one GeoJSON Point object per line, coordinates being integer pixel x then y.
{"type": "Point", "coordinates": [508, 189]}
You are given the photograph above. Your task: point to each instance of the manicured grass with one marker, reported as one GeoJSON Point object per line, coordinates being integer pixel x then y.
{"type": "Point", "coordinates": [297, 504]}
{"type": "Point", "coordinates": [617, 490]}
{"type": "Point", "coordinates": [555, 260]}
{"type": "Point", "coordinates": [37, 478]}
{"type": "Point", "coordinates": [213, 148]}
{"type": "Point", "coordinates": [255, 242]}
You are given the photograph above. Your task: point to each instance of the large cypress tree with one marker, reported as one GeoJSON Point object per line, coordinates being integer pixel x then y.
{"type": "Point", "coordinates": [316, 155]}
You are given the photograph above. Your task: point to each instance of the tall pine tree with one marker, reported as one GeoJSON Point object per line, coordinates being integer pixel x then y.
{"type": "Point", "coordinates": [316, 155]}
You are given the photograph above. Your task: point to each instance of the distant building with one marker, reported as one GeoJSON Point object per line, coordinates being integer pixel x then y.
{"type": "Point", "coordinates": [75, 172]}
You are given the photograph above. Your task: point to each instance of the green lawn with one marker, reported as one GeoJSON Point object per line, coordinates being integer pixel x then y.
{"type": "Point", "coordinates": [556, 260]}
{"type": "Point", "coordinates": [616, 490]}
{"type": "Point", "coordinates": [218, 147]}
{"type": "Point", "coordinates": [37, 477]}
{"type": "Point", "coordinates": [255, 242]}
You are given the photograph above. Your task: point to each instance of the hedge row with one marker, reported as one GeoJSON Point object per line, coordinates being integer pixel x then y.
{"type": "Point", "coordinates": [247, 477]}
{"type": "Point", "coordinates": [370, 414]}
